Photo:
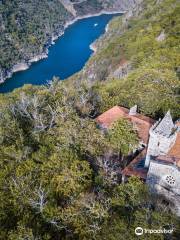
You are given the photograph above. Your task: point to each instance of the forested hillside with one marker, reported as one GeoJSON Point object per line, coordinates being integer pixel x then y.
{"type": "Point", "coordinates": [137, 61]}
{"type": "Point", "coordinates": [55, 180]}
{"type": "Point", "coordinates": [26, 27]}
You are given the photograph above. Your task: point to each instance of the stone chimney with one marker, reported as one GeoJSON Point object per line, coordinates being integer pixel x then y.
{"type": "Point", "coordinates": [133, 110]}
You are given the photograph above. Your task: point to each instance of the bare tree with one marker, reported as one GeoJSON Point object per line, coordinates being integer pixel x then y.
{"type": "Point", "coordinates": [35, 111]}
{"type": "Point", "coordinates": [39, 199]}
{"type": "Point", "coordinates": [110, 167]}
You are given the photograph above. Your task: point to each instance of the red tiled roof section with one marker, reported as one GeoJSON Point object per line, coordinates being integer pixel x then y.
{"type": "Point", "coordinates": [123, 62]}
{"type": "Point", "coordinates": [175, 150]}
{"type": "Point", "coordinates": [141, 123]}
{"type": "Point", "coordinates": [178, 124]}
{"type": "Point", "coordinates": [173, 160]}
{"type": "Point", "coordinates": [131, 169]}
{"type": "Point", "coordinates": [141, 173]}
{"type": "Point", "coordinates": [166, 158]}
{"type": "Point", "coordinates": [107, 118]}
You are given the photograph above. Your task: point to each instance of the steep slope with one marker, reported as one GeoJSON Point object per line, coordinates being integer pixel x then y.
{"type": "Point", "coordinates": [83, 7]}
{"type": "Point", "coordinates": [139, 59]}
{"type": "Point", "coordinates": [69, 6]}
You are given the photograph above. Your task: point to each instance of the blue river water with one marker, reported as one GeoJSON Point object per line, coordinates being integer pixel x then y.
{"type": "Point", "coordinates": [66, 57]}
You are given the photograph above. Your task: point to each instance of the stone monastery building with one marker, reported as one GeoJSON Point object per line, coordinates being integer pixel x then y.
{"type": "Point", "coordinates": [158, 161]}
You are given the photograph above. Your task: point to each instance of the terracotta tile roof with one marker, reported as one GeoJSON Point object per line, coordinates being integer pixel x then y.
{"type": "Point", "coordinates": [178, 163]}
{"type": "Point", "coordinates": [175, 150]}
{"type": "Point", "coordinates": [123, 62]}
{"type": "Point", "coordinates": [107, 118]}
{"type": "Point", "coordinates": [165, 159]}
{"type": "Point", "coordinates": [141, 123]}
{"type": "Point", "coordinates": [141, 173]}
{"type": "Point", "coordinates": [173, 156]}
{"type": "Point", "coordinates": [133, 170]}
{"type": "Point", "coordinates": [178, 123]}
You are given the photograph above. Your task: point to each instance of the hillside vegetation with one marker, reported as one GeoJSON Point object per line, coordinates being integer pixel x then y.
{"type": "Point", "coordinates": [59, 174]}
{"type": "Point", "coordinates": [147, 48]}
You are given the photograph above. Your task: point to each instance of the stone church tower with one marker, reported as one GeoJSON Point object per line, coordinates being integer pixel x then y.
{"type": "Point", "coordinates": [162, 136]}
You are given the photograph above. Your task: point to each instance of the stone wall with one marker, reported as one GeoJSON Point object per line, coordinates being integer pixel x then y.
{"type": "Point", "coordinates": [164, 179]}
{"type": "Point", "coordinates": [159, 145]}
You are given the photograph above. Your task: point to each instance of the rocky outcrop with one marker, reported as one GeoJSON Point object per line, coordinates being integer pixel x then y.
{"type": "Point", "coordinates": [124, 5]}
{"type": "Point", "coordinates": [39, 57]}
{"type": "Point", "coordinates": [170, 196]}
{"type": "Point", "coordinates": [161, 37]}
{"type": "Point", "coordinates": [69, 6]}
{"type": "Point", "coordinates": [122, 70]}
{"type": "Point", "coordinates": [93, 47]}
{"type": "Point", "coordinates": [20, 67]}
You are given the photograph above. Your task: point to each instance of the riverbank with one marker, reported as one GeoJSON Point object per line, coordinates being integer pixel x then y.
{"type": "Point", "coordinates": [24, 65]}
{"type": "Point", "coordinates": [93, 45]}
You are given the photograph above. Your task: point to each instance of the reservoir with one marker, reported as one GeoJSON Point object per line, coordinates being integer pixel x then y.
{"type": "Point", "coordinates": [66, 57]}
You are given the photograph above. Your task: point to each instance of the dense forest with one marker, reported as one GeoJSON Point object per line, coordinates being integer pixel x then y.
{"type": "Point", "coordinates": [58, 179]}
